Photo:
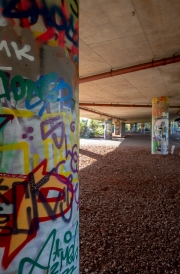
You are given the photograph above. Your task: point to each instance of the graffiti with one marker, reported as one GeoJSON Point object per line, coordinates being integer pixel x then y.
{"type": "Point", "coordinates": [5, 175]}
{"type": "Point", "coordinates": [5, 68]}
{"type": "Point", "coordinates": [4, 45]}
{"type": "Point", "coordinates": [29, 11]}
{"type": "Point", "coordinates": [158, 111]}
{"type": "Point", "coordinates": [76, 197]}
{"type": "Point", "coordinates": [74, 158]}
{"type": "Point", "coordinates": [21, 88]}
{"type": "Point", "coordinates": [19, 52]}
{"type": "Point", "coordinates": [76, 12]}
{"type": "Point", "coordinates": [5, 118]}
{"type": "Point", "coordinates": [22, 52]}
{"type": "Point", "coordinates": [54, 136]}
{"type": "Point", "coordinates": [160, 135]}
{"type": "Point", "coordinates": [117, 127]}
{"type": "Point", "coordinates": [52, 132]}
{"type": "Point", "coordinates": [21, 146]}
{"type": "Point", "coordinates": [30, 131]}
{"type": "Point", "coordinates": [163, 99]}
{"type": "Point", "coordinates": [61, 259]}
{"type": "Point", "coordinates": [160, 125]}
{"type": "Point", "coordinates": [72, 153]}
{"type": "Point", "coordinates": [30, 198]}
{"type": "Point", "coordinates": [39, 187]}
{"type": "Point", "coordinates": [34, 11]}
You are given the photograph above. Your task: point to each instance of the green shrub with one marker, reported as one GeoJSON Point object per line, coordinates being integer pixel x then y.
{"type": "Point", "coordinates": [90, 129]}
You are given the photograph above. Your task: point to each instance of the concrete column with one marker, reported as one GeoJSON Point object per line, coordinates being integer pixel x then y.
{"type": "Point", "coordinates": [117, 127]}
{"type": "Point", "coordinates": [142, 128]}
{"type": "Point", "coordinates": [170, 128]}
{"type": "Point", "coordinates": [131, 127]}
{"type": "Point", "coordinates": [108, 129]}
{"type": "Point", "coordinates": [178, 122]}
{"type": "Point", "coordinates": [160, 125]}
{"type": "Point", "coordinates": [39, 122]}
{"type": "Point", "coordinates": [123, 129]}
{"type": "Point", "coordinates": [135, 127]}
{"type": "Point", "coordinates": [114, 129]}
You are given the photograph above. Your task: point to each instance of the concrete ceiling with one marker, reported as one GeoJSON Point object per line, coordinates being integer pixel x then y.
{"type": "Point", "coordinates": [123, 33]}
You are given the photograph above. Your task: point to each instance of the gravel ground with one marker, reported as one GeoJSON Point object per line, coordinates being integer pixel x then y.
{"type": "Point", "coordinates": [130, 210]}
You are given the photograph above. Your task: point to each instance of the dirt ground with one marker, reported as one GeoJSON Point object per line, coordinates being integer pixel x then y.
{"type": "Point", "coordinates": [129, 209]}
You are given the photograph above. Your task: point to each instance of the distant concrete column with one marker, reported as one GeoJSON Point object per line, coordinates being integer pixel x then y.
{"type": "Point", "coordinates": [170, 128]}
{"type": "Point", "coordinates": [160, 125]}
{"type": "Point", "coordinates": [108, 129]}
{"type": "Point", "coordinates": [135, 127]}
{"type": "Point", "coordinates": [117, 127]}
{"type": "Point", "coordinates": [131, 127]}
{"type": "Point", "coordinates": [123, 129]}
{"type": "Point", "coordinates": [142, 128]}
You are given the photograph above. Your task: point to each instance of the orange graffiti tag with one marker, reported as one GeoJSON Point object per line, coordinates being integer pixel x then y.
{"type": "Point", "coordinates": [43, 196]}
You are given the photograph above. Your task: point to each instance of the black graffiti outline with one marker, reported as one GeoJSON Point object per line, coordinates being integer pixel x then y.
{"type": "Point", "coordinates": [8, 117]}
{"type": "Point", "coordinates": [66, 220]}
{"type": "Point", "coordinates": [5, 216]}
{"type": "Point", "coordinates": [32, 213]}
{"type": "Point", "coordinates": [48, 16]}
{"type": "Point", "coordinates": [73, 10]}
{"type": "Point", "coordinates": [50, 121]}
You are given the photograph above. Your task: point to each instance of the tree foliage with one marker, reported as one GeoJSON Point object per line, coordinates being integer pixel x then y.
{"type": "Point", "coordinates": [91, 128]}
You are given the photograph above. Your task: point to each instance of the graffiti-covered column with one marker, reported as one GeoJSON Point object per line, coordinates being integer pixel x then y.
{"type": "Point", "coordinates": [39, 188]}
{"type": "Point", "coordinates": [117, 127]}
{"type": "Point", "coordinates": [108, 129]}
{"type": "Point", "coordinates": [160, 125]}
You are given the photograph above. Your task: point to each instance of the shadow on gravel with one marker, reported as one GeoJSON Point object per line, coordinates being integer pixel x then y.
{"type": "Point", "coordinates": [129, 210]}
{"type": "Point", "coordinates": [90, 154]}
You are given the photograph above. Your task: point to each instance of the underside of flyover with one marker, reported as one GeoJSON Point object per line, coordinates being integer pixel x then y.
{"type": "Point", "coordinates": [129, 54]}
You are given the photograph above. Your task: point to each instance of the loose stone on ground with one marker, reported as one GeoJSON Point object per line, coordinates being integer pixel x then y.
{"type": "Point", "coordinates": [129, 210]}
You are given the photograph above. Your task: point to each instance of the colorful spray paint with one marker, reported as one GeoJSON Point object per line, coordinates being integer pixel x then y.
{"type": "Point", "coordinates": [39, 187]}
{"type": "Point", "coordinates": [160, 125]}
{"type": "Point", "coordinates": [117, 127]}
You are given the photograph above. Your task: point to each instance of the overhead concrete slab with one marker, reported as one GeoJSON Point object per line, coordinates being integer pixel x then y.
{"type": "Point", "coordinates": [121, 33]}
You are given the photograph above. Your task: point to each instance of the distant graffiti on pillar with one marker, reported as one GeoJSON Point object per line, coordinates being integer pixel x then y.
{"type": "Point", "coordinates": [39, 122]}
{"type": "Point", "coordinates": [160, 123]}
{"type": "Point", "coordinates": [117, 127]}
